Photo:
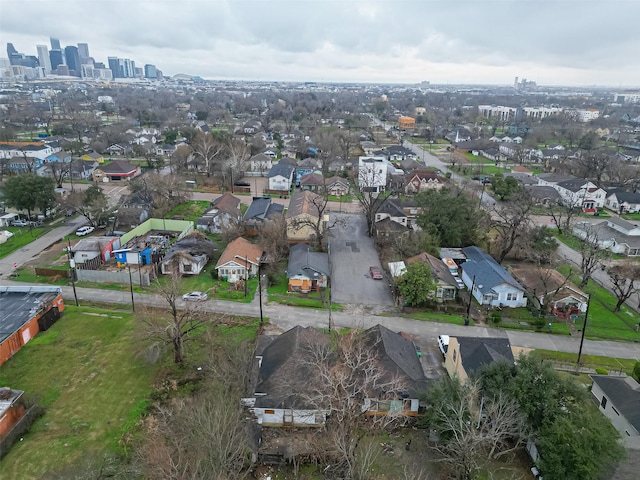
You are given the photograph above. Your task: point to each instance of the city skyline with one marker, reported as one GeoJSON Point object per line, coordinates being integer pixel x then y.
{"type": "Point", "coordinates": [549, 42]}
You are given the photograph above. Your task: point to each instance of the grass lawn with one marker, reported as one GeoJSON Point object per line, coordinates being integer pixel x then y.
{"type": "Point", "coordinates": [21, 237]}
{"type": "Point", "coordinates": [631, 216]}
{"type": "Point", "coordinates": [436, 317]}
{"type": "Point", "coordinates": [278, 293]}
{"type": "Point", "coordinates": [592, 361]}
{"type": "Point", "coordinates": [569, 240]}
{"type": "Point", "coordinates": [603, 323]}
{"type": "Point", "coordinates": [85, 373]}
{"type": "Point", "coordinates": [478, 158]}
{"type": "Point", "coordinates": [29, 276]}
{"type": "Point", "coordinates": [190, 210]}
{"type": "Point", "coordinates": [489, 170]}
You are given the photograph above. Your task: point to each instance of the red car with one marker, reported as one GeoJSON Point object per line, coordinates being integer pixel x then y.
{"type": "Point", "coordinates": [376, 273]}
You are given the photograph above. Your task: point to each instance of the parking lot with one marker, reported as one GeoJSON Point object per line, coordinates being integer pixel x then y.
{"type": "Point", "coordinates": [352, 253]}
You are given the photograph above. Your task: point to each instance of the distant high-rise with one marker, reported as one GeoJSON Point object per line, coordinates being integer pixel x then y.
{"type": "Point", "coordinates": [43, 57]}
{"type": "Point", "coordinates": [73, 60]}
{"type": "Point", "coordinates": [13, 55]}
{"type": "Point", "coordinates": [114, 66]}
{"type": "Point", "coordinates": [55, 44]}
{"type": "Point", "coordinates": [150, 71]}
{"type": "Point", "coordinates": [56, 58]}
{"type": "Point", "coordinates": [83, 51]}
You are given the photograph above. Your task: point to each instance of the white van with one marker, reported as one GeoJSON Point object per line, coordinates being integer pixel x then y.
{"type": "Point", "coordinates": [443, 344]}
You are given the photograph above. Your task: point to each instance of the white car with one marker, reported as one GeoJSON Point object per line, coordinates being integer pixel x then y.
{"type": "Point", "coordinates": [194, 296]}
{"type": "Point", "coordinates": [82, 231]}
{"type": "Point", "coordinates": [443, 344]}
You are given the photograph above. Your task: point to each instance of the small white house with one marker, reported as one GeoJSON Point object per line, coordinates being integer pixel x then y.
{"type": "Point", "coordinates": [281, 176]}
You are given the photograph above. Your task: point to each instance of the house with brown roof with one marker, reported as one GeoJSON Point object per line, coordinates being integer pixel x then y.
{"type": "Point", "coordinates": [115, 171]}
{"type": "Point", "coordinates": [303, 217]}
{"type": "Point", "coordinates": [223, 212]}
{"type": "Point", "coordinates": [547, 286]}
{"type": "Point", "coordinates": [239, 261]}
{"type": "Point", "coordinates": [337, 186]}
{"type": "Point", "coordinates": [422, 180]}
{"type": "Point", "coordinates": [313, 182]}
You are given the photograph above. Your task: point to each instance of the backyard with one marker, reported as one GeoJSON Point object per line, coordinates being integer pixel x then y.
{"type": "Point", "coordinates": [277, 291]}
{"type": "Point", "coordinates": [22, 236]}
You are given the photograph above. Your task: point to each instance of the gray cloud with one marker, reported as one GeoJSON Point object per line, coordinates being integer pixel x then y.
{"type": "Point", "coordinates": [555, 41]}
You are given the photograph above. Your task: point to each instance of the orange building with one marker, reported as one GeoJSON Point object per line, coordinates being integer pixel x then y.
{"type": "Point", "coordinates": [406, 123]}
{"type": "Point", "coordinates": [25, 311]}
{"type": "Point", "coordinates": [12, 409]}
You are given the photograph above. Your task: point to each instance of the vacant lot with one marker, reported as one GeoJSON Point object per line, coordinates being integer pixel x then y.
{"type": "Point", "coordinates": [85, 373]}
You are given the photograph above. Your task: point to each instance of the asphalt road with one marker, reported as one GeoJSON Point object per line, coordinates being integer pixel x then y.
{"type": "Point", "coordinates": [352, 252]}
{"type": "Point", "coordinates": [19, 257]}
{"type": "Point", "coordinates": [425, 333]}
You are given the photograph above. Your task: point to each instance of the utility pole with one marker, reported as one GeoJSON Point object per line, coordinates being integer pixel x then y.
{"type": "Point", "coordinates": [72, 271]}
{"type": "Point", "coordinates": [260, 260]}
{"type": "Point", "coordinates": [473, 284]}
{"type": "Point", "coordinates": [329, 282]}
{"type": "Point", "coordinates": [246, 274]}
{"type": "Point", "coordinates": [133, 306]}
{"type": "Point", "coordinates": [584, 327]}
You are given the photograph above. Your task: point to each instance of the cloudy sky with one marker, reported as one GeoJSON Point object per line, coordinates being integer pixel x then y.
{"type": "Point", "coordinates": [553, 42]}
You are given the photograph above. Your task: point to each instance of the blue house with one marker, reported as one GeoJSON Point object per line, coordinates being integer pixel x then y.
{"type": "Point", "coordinates": [58, 157]}
{"type": "Point", "coordinates": [492, 284]}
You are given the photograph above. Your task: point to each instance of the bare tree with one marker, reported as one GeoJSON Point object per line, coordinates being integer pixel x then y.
{"type": "Point", "coordinates": [563, 215]}
{"type": "Point", "coordinates": [510, 221]}
{"type": "Point", "coordinates": [625, 279]}
{"type": "Point", "coordinates": [594, 164]}
{"type": "Point", "coordinates": [207, 148]}
{"type": "Point", "coordinates": [592, 255]}
{"type": "Point", "coordinates": [348, 374]}
{"type": "Point", "coordinates": [472, 429]}
{"type": "Point", "coordinates": [237, 156]}
{"type": "Point", "coordinates": [370, 191]}
{"type": "Point", "coordinates": [90, 203]}
{"type": "Point", "coordinates": [176, 329]}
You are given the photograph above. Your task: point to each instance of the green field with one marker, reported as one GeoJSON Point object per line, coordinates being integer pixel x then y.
{"type": "Point", "coordinates": [591, 361]}
{"type": "Point", "coordinates": [85, 373]}
{"type": "Point", "coordinates": [190, 210]}
{"type": "Point", "coordinates": [21, 236]}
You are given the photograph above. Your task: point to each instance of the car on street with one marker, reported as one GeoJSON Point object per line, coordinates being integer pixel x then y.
{"type": "Point", "coordinates": [443, 344]}
{"type": "Point", "coordinates": [242, 184]}
{"type": "Point", "coordinates": [376, 273]}
{"type": "Point", "coordinates": [194, 297]}
{"type": "Point", "coordinates": [82, 231]}
{"type": "Point", "coordinates": [19, 223]}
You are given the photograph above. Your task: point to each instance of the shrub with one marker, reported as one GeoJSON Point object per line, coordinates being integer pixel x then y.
{"type": "Point", "coordinates": [636, 371]}
{"type": "Point", "coordinates": [602, 371]}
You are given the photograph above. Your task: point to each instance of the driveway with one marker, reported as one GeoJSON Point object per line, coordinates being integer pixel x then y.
{"type": "Point", "coordinates": [352, 253]}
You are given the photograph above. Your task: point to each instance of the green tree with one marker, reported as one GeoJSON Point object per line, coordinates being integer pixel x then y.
{"type": "Point", "coordinates": [417, 285]}
{"type": "Point", "coordinates": [29, 192]}
{"type": "Point", "coordinates": [452, 217]}
{"type": "Point", "coordinates": [575, 441]}
{"type": "Point", "coordinates": [505, 187]}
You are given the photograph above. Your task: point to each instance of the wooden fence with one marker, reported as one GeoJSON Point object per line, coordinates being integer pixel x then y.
{"type": "Point", "coordinates": [51, 272]}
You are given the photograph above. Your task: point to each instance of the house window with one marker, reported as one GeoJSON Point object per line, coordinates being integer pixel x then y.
{"type": "Point", "coordinates": [614, 409]}
{"type": "Point", "coordinates": [455, 355]}
{"type": "Point", "coordinates": [603, 402]}
{"type": "Point", "coordinates": [187, 267]}
{"type": "Point", "coordinates": [512, 297]}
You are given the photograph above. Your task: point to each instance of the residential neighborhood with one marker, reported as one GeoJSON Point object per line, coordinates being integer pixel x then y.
{"type": "Point", "coordinates": [286, 265]}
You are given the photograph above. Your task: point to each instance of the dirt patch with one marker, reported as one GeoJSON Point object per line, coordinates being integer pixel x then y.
{"type": "Point", "coordinates": [53, 256]}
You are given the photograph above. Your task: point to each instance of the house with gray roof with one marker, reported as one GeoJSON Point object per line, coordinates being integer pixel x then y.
{"type": "Point", "coordinates": [615, 234]}
{"type": "Point", "coordinates": [489, 283]}
{"type": "Point", "coordinates": [466, 355]}
{"type": "Point", "coordinates": [622, 202]}
{"type": "Point", "coordinates": [618, 398]}
{"type": "Point", "coordinates": [286, 385]}
{"type": "Point", "coordinates": [307, 270]}
{"type": "Point", "coordinates": [281, 176]}
{"type": "Point", "coordinates": [261, 210]}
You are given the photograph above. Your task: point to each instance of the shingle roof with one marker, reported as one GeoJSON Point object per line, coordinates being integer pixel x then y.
{"type": "Point", "coordinates": [477, 352]}
{"type": "Point", "coordinates": [285, 374]}
{"type": "Point", "coordinates": [389, 207]}
{"type": "Point", "coordinates": [438, 268]}
{"type": "Point", "coordinates": [226, 202]}
{"type": "Point", "coordinates": [628, 197]}
{"type": "Point", "coordinates": [239, 250]}
{"type": "Point", "coordinates": [281, 168]}
{"type": "Point", "coordinates": [259, 208]}
{"type": "Point", "coordinates": [486, 270]}
{"type": "Point", "coordinates": [624, 393]}
{"type": "Point", "coordinates": [312, 179]}
{"type": "Point", "coordinates": [118, 166]}
{"type": "Point", "coordinates": [398, 357]}
{"type": "Point", "coordinates": [304, 202]}
{"type": "Point", "coordinates": [303, 261]}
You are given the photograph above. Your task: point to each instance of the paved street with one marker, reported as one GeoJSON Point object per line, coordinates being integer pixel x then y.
{"type": "Point", "coordinates": [31, 250]}
{"type": "Point", "coordinates": [425, 332]}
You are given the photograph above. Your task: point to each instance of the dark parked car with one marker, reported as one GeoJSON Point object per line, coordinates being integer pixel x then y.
{"type": "Point", "coordinates": [242, 184]}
